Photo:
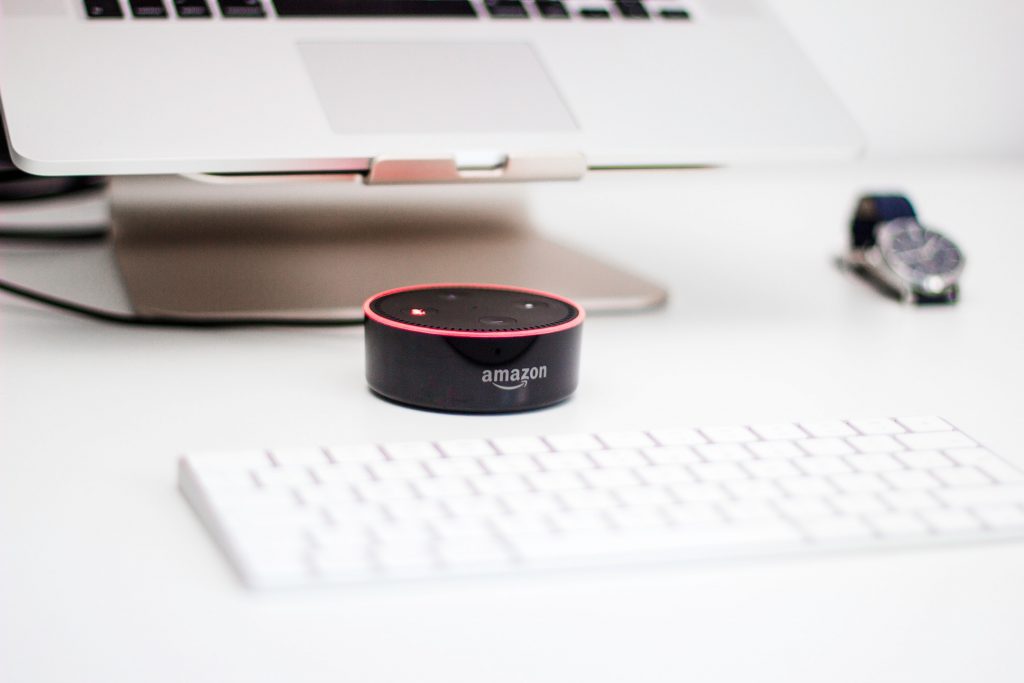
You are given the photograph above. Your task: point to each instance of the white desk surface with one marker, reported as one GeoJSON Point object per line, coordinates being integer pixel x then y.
{"type": "Point", "coordinates": [106, 575]}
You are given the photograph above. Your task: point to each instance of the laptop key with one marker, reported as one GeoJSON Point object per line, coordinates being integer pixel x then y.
{"type": "Point", "coordinates": [595, 13]}
{"type": "Point", "coordinates": [239, 9]}
{"type": "Point", "coordinates": [374, 8]}
{"type": "Point", "coordinates": [189, 9]}
{"type": "Point", "coordinates": [103, 9]}
{"type": "Point", "coordinates": [675, 13]}
{"type": "Point", "coordinates": [148, 9]}
{"type": "Point", "coordinates": [552, 9]}
{"type": "Point", "coordinates": [506, 9]}
{"type": "Point", "coordinates": [631, 9]}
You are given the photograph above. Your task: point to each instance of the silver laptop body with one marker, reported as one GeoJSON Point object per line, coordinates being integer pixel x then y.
{"type": "Point", "coordinates": [471, 96]}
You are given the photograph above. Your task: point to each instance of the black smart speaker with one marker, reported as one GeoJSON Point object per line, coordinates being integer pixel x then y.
{"type": "Point", "coordinates": [472, 348]}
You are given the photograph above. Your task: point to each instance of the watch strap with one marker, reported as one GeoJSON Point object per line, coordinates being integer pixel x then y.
{"type": "Point", "coordinates": [874, 209]}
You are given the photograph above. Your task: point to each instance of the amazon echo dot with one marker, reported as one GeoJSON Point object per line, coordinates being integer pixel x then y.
{"type": "Point", "coordinates": [472, 348]}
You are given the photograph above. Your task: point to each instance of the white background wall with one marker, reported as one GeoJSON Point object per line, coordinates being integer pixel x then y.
{"type": "Point", "coordinates": [922, 77]}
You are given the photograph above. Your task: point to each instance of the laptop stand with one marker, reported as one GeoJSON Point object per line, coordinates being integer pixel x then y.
{"type": "Point", "coordinates": [316, 248]}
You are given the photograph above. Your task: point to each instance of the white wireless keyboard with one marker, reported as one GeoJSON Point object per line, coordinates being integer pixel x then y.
{"type": "Point", "coordinates": [372, 512]}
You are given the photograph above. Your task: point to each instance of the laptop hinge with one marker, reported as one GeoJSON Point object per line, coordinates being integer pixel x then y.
{"type": "Point", "coordinates": [512, 168]}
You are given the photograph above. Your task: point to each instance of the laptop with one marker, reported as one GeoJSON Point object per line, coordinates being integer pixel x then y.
{"type": "Point", "coordinates": [407, 89]}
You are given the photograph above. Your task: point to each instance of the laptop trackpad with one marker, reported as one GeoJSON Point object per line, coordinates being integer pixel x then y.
{"type": "Point", "coordinates": [368, 88]}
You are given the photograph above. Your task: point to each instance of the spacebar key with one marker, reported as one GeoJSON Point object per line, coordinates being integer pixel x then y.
{"type": "Point", "coordinates": [374, 8]}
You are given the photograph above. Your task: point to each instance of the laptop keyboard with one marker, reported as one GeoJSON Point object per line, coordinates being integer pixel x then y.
{"type": "Point", "coordinates": [374, 512]}
{"type": "Point", "coordinates": [495, 9]}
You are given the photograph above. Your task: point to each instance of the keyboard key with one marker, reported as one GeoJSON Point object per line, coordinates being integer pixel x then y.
{"type": "Point", "coordinates": [374, 8]}
{"type": "Point", "coordinates": [971, 456]}
{"type": "Point", "coordinates": [231, 9]}
{"type": "Point", "coordinates": [925, 424]}
{"type": "Point", "coordinates": [341, 473]}
{"type": "Point", "coordinates": [910, 479]}
{"type": "Point", "coordinates": [771, 469]}
{"type": "Point", "coordinates": [355, 453]}
{"type": "Point", "coordinates": [825, 446]}
{"type": "Point", "coordinates": [479, 554]}
{"type": "Point", "coordinates": [148, 9]}
{"type": "Point", "coordinates": [960, 476]}
{"type": "Point", "coordinates": [806, 486]}
{"type": "Point", "coordinates": [857, 503]}
{"type": "Point", "coordinates": [664, 474]}
{"type": "Point", "coordinates": [739, 510]}
{"type": "Point", "coordinates": [875, 444]}
{"type": "Point", "coordinates": [192, 9]}
{"type": "Point", "coordinates": [909, 500]}
{"type": "Point", "coordinates": [697, 493]}
{"type": "Point", "coordinates": [753, 489]}
{"type": "Point", "coordinates": [473, 506]}
{"type": "Point", "coordinates": [775, 449]}
{"type": "Point", "coordinates": [586, 499]}
{"type": "Point", "coordinates": [595, 13]}
{"type": "Point", "coordinates": [573, 442]}
{"type": "Point", "coordinates": [838, 529]}
{"type": "Point", "coordinates": [552, 9]}
{"type": "Point", "coordinates": [1001, 516]}
{"type": "Point", "coordinates": [858, 482]}
{"type": "Point", "coordinates": [510, 464]}
{"type": "Point", "coordinates": [823, 465]}
{"type": "Point", "coordinates": [988, 495]}
{"type": "Point", "coordinates": [384, 491]}
{"type": "Point", "coordinates": [611, 478]}
{"type": "Point", "coordinates": [723, 452]}
{"type": "Point", "coordinates": [638, 517]}
{"type": "Point", "coordinates": [718, 471]}
{"type": "Point", "coordinates": [443, 487]}
{"type": "Point", "coordinates": [936, 440]}
{"type": "Point", "coordinates": [516, 445]}
{"type": "Point", "coordinates": [924, 459]}
{"type": "Point", "coordinates": [524, 524]}
{"type": "Point", "coordinates": [784, 430]}
{"type": "Point", "coordinates": [876, 425]}
{"type": "Point", "coordinates": [576, 521]}
{"type": "Point", "coordinates": [874, 462]}
{"type": "Point", "coordinates": [506, 9]}
{"type": "Point", "coordinates": [618, 458]}
{"type": "Point", "coordinates": [675, 14]}
{"type": "Point", "coordinates": [728, 434]}
{"type": "Point", "coordinates": [568, 460]}
{"type": "Point", "coordinates": [630, 9]}
{"type": "Point", "coordinates": [946, 520]}
{"type": "Point", "coordinates": [671, 455]}
{"type": "Point", "coordinates": [530, 503]}
{"type": "Point", "coordinates": [804, 508]}
{"type": "Point", "coordinates": [825, 428]}
{"type": "Point", "coordinates": [999, 470]}
{"type": "Point", "coordinates": [677, 437]}
{"type": "Point", "coordinates": [896, 524]}
{"type": "Point", "coordinates": [455, 467]}
{"type": "Point", "coordinates": [554, 481]}
{"type": "Point", "coordinates": [638, 496]}
{"type": "Point", "coordinates": [459, 448]}
{"type": "Point", "coordinates": [496, 484]}
{"type": "Point", "coordinates": [103, 9]}
{"type": "Point", "coordinates": [402, 469]}
{"type": "Point", "coordinates": [411, 450]}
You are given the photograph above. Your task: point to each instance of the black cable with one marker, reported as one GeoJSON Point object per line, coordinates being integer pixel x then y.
{"type": "Point", "coordinates": [166, 321]}
{"type": "Point", "coordinates": [53, 235]}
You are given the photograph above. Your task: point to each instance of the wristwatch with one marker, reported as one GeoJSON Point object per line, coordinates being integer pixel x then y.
{"type": "Point", "coordinates": [889, 246]}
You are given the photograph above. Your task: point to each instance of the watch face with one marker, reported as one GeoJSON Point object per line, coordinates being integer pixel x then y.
{"type": "Point", "coordinates": [918, 255]}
